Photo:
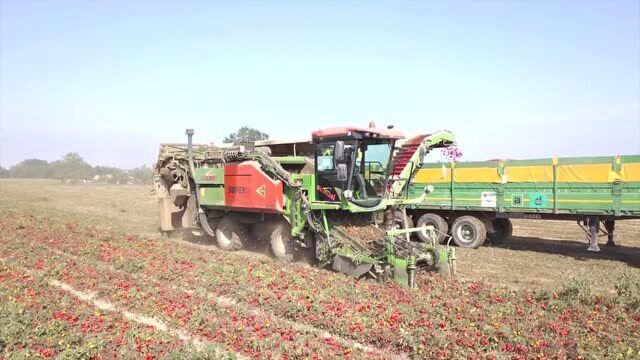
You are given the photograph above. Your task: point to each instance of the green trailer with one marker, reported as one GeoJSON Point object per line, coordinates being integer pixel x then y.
{"type": "Point", "coordinates": [473, 201]}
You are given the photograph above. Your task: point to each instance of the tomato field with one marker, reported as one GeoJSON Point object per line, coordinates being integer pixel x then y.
{"type": "Point", "coordinates": [73, 288]}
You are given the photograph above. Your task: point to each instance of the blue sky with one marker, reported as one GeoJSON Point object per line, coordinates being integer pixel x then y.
{"type": "Point", "coordinates": [512, 79]}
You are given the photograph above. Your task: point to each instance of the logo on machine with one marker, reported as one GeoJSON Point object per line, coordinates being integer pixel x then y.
{"type": "Point", "coordinates": [237, 190]}
{"type": "Point", "coordinates": [210, 176]}
{"type": "Point", "coordinates": [517, 200]}
{"type": "Point", "coordinates": [262, 191]}
{"type": "Point", "coordinates": [326, 192]}
{"type": "Point", "coordinates": [538, 200]}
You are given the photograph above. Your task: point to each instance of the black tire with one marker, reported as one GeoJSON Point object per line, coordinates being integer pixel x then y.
{"type": "Point", "coordinates": [213, 222]}
{"type": "Point", "coordinates": [468, 232]}
{"type": "Point", "coordinates": [438, 222]}
{"type": "Point", "coordinates": [398, 220]}
{"type": "Point", "coordinates": [280, 240]}
{"type": "Point", "coordinates": [503, 229]}
{"type": "Point", "coordinates": [230, 234]}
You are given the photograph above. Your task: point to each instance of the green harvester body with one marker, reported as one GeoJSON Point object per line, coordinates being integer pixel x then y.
{"type": "Point", "coordinates": [335, 196]}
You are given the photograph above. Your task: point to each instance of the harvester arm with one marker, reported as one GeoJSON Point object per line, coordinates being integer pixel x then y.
{"type": "Point", "coordinates": [439, 139]}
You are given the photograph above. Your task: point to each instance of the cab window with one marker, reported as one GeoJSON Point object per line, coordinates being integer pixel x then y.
{"type": "Point", "coordinates": [324, 157]}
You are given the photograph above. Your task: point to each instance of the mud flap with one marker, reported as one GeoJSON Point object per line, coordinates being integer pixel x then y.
{"type": "Point", "coordinates": [347, 266]}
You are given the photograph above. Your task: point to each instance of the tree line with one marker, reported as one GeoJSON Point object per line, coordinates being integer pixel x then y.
{"type": "Point", "coordinates": [73, 169]}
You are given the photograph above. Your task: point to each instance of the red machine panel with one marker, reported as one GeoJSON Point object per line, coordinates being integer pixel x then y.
{"type": "Point", "coordinates": [247, 188]}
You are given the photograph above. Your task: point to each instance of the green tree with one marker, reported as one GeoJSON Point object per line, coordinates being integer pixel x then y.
{"type": "Point", "coordinates": [4, 173]}
{"type": "Point", "coordinates": [246, 134]}
{"type": "Point", "coordinates": [71, 167]}
{"type": "Point", "coordinates": [109, 174]}
{"type": "Point", "coordinates": [31, 169]}
{"type": "Point", "coordinates": [142, 174]}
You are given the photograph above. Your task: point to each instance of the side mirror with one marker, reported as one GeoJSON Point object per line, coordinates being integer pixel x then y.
{"type": "Point", "coordinates": [338, 151]}
{"type": "Point", "coordinates": [341, 172]}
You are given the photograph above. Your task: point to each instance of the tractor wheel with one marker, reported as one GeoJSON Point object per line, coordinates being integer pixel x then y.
{"type": "Point", "coordinates": [438, 223]}
{"type": "Point", "coordinates": [398, 220]}
{"type": "Point", "coordinates": [230, 234]}
{"type": "Point", "coordinates": [503, 229]}
{"type": "Point", "coordinates": [281, 243]}
{"type": "Point", "coordinates": [468, 232]}
{"type": "Point", "coordinates": [213, 222]}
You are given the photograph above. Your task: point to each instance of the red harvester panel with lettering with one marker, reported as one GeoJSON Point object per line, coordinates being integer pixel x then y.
{"type": "Point", "coordinates": [247, 188]}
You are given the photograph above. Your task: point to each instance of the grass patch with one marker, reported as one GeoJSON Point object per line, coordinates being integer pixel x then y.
{"type": "Point", "coordinates": [628, 290]}
{"type": "Point", "coordinates": [578, 289]}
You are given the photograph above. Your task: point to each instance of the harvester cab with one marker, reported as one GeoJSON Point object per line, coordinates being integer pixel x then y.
{"type": "Point", "coordinates": [352, 164]}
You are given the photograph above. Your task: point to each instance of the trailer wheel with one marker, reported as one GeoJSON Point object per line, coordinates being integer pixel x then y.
{"type": "Point", "coordinates": [503, 231]}
{"type": "Point", "coordinates": [398, 220]}
{"type": "Point", "coordinates": [439, 224]}
{"type": "Point", "coordinates": [468, 232]}
{"type": "Point", "coordinates": [281, 241]}
{"type": "Point", "coordinates": [230, 234]}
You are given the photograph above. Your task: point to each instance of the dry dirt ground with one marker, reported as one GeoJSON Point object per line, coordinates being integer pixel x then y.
{"type": "Point", "coordinates": [541, 255]}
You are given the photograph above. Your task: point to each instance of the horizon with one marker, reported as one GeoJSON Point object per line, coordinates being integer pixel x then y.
{"type": "Point", "coordinates": [512, 80]}
{"type": "Point", "coordinates": [431, 159]}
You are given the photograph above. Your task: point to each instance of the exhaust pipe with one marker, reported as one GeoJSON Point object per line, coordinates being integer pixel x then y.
{"type": "Point", "coordinates": [190, 133]}
{"type": "Point", "coordinates": [202, 215]}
